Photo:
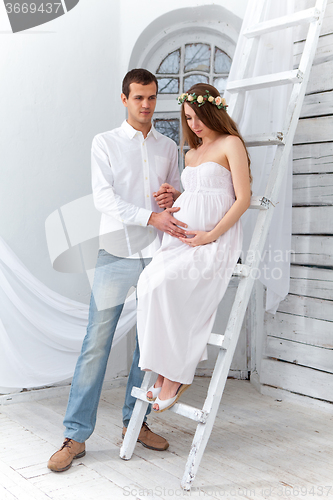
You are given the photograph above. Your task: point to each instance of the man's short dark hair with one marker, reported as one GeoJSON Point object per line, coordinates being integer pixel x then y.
{"type": "Point", "coordinates": [138, 75]}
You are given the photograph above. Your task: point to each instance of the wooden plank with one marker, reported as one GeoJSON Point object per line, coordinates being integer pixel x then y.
{"type": "Point", "coordinates": [312, 220]}
{"type": "Point", "coordinates": [312, 158]}
{"type": "Point", "coordinates": [314, 130]}
{"type": "Point", "coordinates": [314, 189]}
{"type": "Point", "coordinates": [311, 282]}
{"type": "Point", "coordinates": [312, 273]}
{"type": "Point", "coordinates": [307, 306]}
{"type": "Point", "coordinates": [312, 250]}
{"type": "Point", "coordinates": [319, 358]}
{"type": "Point", "coordinates": [312, 288]}
{"type": "Point", "coordinates": [317, 104]}
{"type": "Point", "coordinates": [275, 138]}
{"type": "Point", "coordinates": [320, 78]}
{"type": "Point", "coordinates": [323, 53]}
{"type": "Point", "coordinates": [299, 379]}
{"type": "Point", "coordinates": [300, 329]}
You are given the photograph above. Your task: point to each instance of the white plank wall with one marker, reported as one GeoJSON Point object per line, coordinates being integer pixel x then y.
{"type": "Point", "coordinates": [298, 347]}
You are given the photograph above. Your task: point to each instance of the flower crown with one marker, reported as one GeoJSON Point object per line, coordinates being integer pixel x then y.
{"type": "Point", "coordinates": [218, 101]}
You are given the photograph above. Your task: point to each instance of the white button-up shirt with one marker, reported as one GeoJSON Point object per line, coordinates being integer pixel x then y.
{"type": "Point", "coordinates": [126, 170]}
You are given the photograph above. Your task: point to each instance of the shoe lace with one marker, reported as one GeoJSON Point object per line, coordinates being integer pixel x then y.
{"type": "Point", "coordinates": [66, 443]}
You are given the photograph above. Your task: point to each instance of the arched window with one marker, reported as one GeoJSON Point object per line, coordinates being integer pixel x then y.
{"type": "Point", "coordinates": [193, 63]}
{"type": "Point", "coordinates": [179, 70]}
{"type": "Point", "coordinates": [205, 58]}
{"type": "Point", "coordinates": [183, 47]}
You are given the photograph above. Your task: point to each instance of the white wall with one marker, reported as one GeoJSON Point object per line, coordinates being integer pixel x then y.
{"type": "Point", "coordinates": [60, 85]}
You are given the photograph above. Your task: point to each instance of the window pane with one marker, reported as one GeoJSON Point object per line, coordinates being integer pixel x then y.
{"type": "Point", "coordinates": [222, 62]}
{"type": "Point", "coordinates": [197, 57]}
{"type": "Point", "coordinates": [170, 64]}
{"type": "Point", "coordinates": [168, 85]}
{"type": "Point", "coordinates": [168, 127]}
{"type": "Point", "coordinates": [191, 80]}
{"type": "Point", "coordinates": [220, 84]}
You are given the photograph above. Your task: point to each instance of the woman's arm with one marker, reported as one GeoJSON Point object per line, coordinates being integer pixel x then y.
{"type": "Point", "coordinates": [237, 158]}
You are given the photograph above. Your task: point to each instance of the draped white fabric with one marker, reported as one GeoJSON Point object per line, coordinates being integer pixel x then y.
{"type": "Point", "coordinates": [264, 112]}
{"type": "Point", "coordinates": [41, 332]}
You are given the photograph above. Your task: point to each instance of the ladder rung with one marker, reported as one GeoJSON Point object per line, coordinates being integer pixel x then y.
{"type": "Point", "coordinates": [301, 17]}
{"type": "Point", "coordinates": [179, 408]}
{"type": "Point", "coordinates": [273, 139]}
{"type": "Point", "coordinates": [216, 339]}
{"type": "Point", "coordinates": [260, 203]}
{"type": "Point", "coordinates": [241, 270]}
{"type": "Point", "coordinates": [260, 82]}
{"type": "Point", "coordinates": [190, 412]}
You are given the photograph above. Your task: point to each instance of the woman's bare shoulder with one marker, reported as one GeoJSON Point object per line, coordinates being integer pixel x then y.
{"type": "Point", "coordinates": [189, 156]}
{"type": "Point", "coordinates": [232, 141]}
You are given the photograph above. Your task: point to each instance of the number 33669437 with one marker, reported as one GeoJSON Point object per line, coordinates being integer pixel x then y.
{"type": "Point", "coordinates": [32, 8]}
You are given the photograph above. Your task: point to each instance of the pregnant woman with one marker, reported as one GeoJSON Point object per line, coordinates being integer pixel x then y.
{"type": "Point", "coordinates": [179, 291]}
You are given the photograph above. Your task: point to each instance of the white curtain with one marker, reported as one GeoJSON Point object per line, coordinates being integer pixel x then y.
{"type": "Point", "coordinates": [264, 112]}
{"type": "Point", "coordinates": [41, 332]}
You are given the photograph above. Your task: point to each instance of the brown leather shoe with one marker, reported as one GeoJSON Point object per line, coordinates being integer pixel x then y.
{"type": "Point", "coordinates": [62, 459]}
{"type": "Point", "coordinates": [149, 439]}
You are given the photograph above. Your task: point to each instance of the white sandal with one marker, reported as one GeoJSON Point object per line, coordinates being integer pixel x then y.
{"type": "Point", "coordinates": [155, 391]}
{"type": "Point", "coordinates": [165, 404]}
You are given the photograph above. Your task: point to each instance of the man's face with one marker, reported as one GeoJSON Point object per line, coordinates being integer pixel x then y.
{"type": "Point", "coordinates": [140, 103]}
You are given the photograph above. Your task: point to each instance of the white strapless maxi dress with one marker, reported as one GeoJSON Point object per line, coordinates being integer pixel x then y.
{"type": "Point", "coordinates": [180, 290]}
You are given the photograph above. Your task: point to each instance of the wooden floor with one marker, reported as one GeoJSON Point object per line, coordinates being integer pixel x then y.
{"type": "Point", "coordinates": [259, 448]}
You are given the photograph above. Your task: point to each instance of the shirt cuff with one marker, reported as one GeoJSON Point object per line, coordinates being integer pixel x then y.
{"type": "Point", "coordinates": [143, 216]}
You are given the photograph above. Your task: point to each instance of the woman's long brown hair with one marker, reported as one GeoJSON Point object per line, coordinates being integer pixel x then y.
{"type": "Point", "coordinates": [214, 118]}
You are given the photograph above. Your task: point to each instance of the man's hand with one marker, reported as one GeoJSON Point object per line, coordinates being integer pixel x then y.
{"type": "Point", "coordinates": [166, 195]}
{"type": "Point", "coordinates": [165, 222]}
{"type": "Point", "coordinates": [163, 198]}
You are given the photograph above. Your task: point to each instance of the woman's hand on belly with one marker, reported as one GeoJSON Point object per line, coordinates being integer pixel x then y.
{"type": "Point", "coordinates": [197, 238]}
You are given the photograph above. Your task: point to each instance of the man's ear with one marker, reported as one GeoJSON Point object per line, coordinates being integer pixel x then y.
{"type": "Point", "coordinates": [124, 99]}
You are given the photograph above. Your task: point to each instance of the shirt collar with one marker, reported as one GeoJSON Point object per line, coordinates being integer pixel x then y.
{"type": "Point", "coordinates": [131, 132]}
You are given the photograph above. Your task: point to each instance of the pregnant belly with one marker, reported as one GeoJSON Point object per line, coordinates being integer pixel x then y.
{"type": "Point", "coordinates": [200, 212]}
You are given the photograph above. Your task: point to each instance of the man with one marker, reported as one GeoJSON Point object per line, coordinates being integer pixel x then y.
{"type": "Point", "coordinates": [129, 164]}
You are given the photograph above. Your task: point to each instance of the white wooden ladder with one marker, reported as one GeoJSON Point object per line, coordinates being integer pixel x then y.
{"type": "Point", "coordinates": [284, 139]}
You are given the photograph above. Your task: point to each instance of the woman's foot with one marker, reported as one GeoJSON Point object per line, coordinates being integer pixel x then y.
{"type": "Point", "coordinates": [169, 395]}
{"type": "Point", "coordinates": [152, 394]}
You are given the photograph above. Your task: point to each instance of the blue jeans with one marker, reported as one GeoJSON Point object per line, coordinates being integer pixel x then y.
{"type": "Point", "coordinates": [113, 278]}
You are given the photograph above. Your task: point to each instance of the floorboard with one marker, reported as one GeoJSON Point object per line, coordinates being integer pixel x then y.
{"type": "Point", "coordinates": [260, 448]}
